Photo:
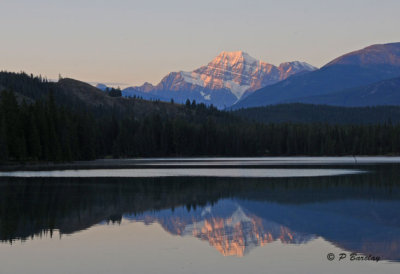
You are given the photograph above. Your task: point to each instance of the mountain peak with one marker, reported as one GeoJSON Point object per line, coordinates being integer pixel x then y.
{"type": "Point", "coordinates": [234, 57]}
{"type": "Point", "coordinates": [297, 64]}
{"type": "Point", "coordinates": [231, 54]}
{"type": "Point", "coordinates": [379, 54]}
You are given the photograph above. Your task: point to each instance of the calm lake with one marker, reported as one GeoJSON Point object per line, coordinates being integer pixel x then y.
{"type": "Point", "coordinates": [204, 215]}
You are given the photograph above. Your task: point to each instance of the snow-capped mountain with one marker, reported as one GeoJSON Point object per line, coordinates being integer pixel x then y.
{"type": "Point", "coordinates": [227, 78]}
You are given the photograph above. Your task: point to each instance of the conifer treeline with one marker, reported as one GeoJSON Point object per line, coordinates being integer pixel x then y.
{"type": "Point", "coordinates": [307, 113]}
{"type": "Point", "coordinates": [47, 132]}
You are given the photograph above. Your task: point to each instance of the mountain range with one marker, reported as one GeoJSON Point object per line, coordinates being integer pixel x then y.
{"type": "Point", "coordinates": [235, 80]}
{"type": "Point", "coordinates": [366, 77]}
{"type": "Point", "coordinates": [225, 80]}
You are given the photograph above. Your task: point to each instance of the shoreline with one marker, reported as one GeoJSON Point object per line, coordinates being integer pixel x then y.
{"type": "Point", "coordinates": [205, 162]}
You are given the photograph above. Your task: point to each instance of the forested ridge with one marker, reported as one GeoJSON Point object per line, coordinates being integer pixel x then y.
{"type": "Point", "coordinates": [69, 120]}
{"type": "Point", "coordinates": [308, 113]}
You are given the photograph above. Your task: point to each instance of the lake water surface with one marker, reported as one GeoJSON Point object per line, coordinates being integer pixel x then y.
{"type": "Point", "coordinates": [248, 215]}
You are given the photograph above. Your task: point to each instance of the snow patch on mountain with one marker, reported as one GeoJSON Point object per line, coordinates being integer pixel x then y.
{"type": "Point", "coordinates": [192, 78]}
{"type": "Point", "coordinates": [205, 96]}
{"type": "Point", "coordinates": [237, 89]}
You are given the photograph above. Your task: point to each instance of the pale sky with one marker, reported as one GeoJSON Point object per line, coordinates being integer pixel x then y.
{"type": "Point", "coordinates": [130, 42]}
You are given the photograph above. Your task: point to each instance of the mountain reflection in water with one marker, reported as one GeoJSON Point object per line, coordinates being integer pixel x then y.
{"type": "Point", "coordinates": [358, 213]}
{"type": "Point", "coordinates": [228, 227]}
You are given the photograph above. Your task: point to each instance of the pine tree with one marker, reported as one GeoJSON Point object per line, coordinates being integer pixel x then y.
{"type": "Point", "coordinates": [3, 141]}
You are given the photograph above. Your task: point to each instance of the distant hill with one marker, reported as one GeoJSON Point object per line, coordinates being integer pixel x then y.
{"type": "Point", "coordinates": [386, 92]}
{"type": "Point", "coordinates": [306, 113]}
{"type": "Point", "coordinates": [382, 54]}
{"type": "Point", "coordinates": [359, 68]}
{"type": "Point", "coordinates": [77, 95]}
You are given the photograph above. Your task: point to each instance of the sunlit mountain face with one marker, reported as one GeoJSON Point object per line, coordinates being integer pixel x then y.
{"type": "Point", "coordinates": [356, 213]}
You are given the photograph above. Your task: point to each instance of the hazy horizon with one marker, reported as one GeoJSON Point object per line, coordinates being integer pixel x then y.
{"type": "Point", "coordinates": [132, 42]}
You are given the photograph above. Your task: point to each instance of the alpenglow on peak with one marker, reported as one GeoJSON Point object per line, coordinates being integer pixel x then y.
{"type": "Point", "coordinates": [229, 77]}
{"type": "Point", "coordinates": [235, 57]}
